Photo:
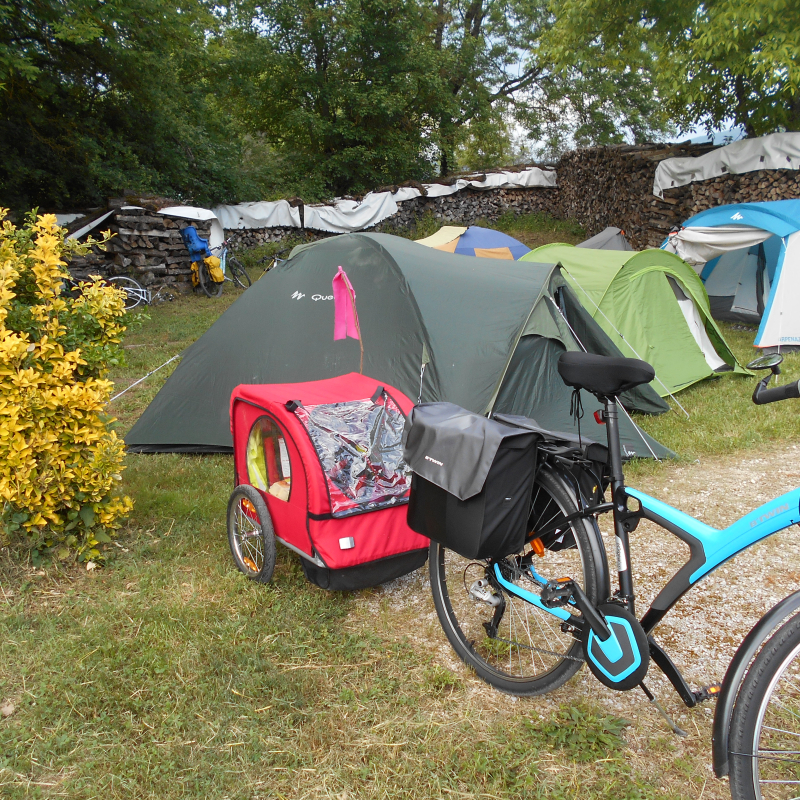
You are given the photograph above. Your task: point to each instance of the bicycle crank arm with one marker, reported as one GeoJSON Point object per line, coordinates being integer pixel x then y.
{"type": "Point", "coordinates": [563, 592]}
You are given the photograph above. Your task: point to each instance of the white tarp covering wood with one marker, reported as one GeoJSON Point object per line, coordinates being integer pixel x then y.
{"type": "Point", "coordinates": [344, 216]}
{"type": "Point", "coordinates": [776, 151]}
{"type": "Point", "coordinates": [217, 234]}
{"type": "Point", "coordinates": [698, 245]}
{"type": "Point", "coordinates": [89, 226]}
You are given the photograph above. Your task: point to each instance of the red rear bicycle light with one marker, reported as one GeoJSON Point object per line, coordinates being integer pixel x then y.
{"type": "Point", "coordinates": [599, 418]}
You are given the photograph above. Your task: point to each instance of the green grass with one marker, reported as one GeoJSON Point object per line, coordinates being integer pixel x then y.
{"type": "Point", "coordinates": [722, 417]}
{"type": "Point", "coordinates": [168, 675]}
{"type": "Point", "coordinates": [537, 229]}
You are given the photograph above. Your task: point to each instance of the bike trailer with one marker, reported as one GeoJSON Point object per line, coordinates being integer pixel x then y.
{"type": "Point", "coordinates": [326, 456]}
{"type": "Point", "coordinates": [473, 480]}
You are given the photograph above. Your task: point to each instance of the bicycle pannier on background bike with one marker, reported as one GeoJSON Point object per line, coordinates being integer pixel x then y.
{"type": "Point", "coordinates": [472, 482]}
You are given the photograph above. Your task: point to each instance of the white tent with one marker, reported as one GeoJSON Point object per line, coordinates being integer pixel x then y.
{"type": "Point", "coordinates": [748, 256]}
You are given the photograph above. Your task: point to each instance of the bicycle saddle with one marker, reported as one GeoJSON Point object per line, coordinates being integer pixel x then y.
{"type": "Point", "coordinates": [601, 375]}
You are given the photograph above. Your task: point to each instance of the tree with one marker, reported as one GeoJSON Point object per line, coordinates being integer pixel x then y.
{"type": "Point", "coordinates": [340, 88]}
{"type": "Point", "coordinates": [101, 95]}
{"type": "Point", "coordinates": [714, 62]}
{"type": "Point", "coordinates": [356, 93]}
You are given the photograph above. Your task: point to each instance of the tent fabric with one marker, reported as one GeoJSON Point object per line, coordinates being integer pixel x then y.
{"type": "Point", "coordinates": [652, 306]}
{"type": "Point", "coordinates": [593, 339]}
{"type": "Point", "coordinates": [476, 241]}
{"type": "Point", "coordinates": [445, 235]}
{"type": "Point", "coordinates": [439, 327]}
{"type": "Point", "coordinates": [609, 239]}
{"type": "Point", "coordinates": [696, 246]}
{"type": "Point", "coordinates": [748, 255]}
{"type": "Point", "coordinates": [776, 151]}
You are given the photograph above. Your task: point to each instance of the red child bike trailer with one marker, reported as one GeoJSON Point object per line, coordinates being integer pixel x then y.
{"type": "Point", "coordinates": [319, 467]}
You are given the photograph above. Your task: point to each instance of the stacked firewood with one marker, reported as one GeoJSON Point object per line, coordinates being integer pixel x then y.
{"type": "Point", "coordinates": [469, 205]}
{"type": "Point", "coordinates": [597, 187]}
{"type": "Point", "coordinates": [604, 186]}
{"type": "Point", "coordinates": [146, 246]}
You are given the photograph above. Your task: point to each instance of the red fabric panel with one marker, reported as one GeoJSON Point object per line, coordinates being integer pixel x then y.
{"type": "Point", "coordinates": [377, 534]}
{"type": "Point", "coordinates": [273, 398]}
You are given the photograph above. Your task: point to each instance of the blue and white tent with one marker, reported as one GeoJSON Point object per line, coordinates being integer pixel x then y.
{"type": "Point", "coordinates": [748, 256]}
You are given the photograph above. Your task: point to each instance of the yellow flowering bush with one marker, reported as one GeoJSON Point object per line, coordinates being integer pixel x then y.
{"type": "Point", "coordinates": [60, 461]}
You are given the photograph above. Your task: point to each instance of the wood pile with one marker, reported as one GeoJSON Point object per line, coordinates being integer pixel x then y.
{"type": "Point", "coordinates": [604, 186]}
{"type": "Point", "coordinates": [146, 246]}
{"type": "Point", "coordinates": [597, 187]}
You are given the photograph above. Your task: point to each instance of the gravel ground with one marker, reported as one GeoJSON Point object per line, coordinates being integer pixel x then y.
{"type": "Point", "coordinates": [701, 633]}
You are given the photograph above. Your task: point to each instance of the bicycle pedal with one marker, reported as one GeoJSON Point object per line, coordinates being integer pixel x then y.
{"type": "Point", "coordinates": [707, 692]}
{"type": "Point", "coordinates": [558, 592]}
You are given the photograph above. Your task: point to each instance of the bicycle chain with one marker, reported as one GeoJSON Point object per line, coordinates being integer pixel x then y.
{"type": "Point", "coordinates": [518, 573]}
{"type": "Point", "coordinates": [537, 649]}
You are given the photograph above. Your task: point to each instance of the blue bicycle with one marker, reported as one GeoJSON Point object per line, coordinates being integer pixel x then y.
{"type": "Point", "coordinates": [527, 622]}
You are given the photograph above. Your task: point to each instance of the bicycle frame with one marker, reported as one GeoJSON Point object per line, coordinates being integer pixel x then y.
{"type": "Point", "coordinates": [709, 547]}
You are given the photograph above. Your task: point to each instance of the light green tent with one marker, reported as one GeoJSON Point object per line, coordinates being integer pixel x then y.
{"type": "Point", "coordinates": [652, 305]}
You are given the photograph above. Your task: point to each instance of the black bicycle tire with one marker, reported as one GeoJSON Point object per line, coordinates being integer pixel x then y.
{"type": "Point", "coordinates": [755, 695]}
{"type": "Point", "coordinates": [593, 578]}
{"type": "Point", "coordinates": [267, 531]}
{"type": "Point", "coordinates": [239, 274]}
{"type": "Point", "coordinates": [209, 286]}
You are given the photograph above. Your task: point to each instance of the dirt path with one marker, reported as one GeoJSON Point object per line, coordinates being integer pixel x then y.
{"type": "Point", "coordinates": [701, 634]}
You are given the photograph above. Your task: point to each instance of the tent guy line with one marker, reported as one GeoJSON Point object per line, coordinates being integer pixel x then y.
{"type": "Point", "coordinates": [152, 372]}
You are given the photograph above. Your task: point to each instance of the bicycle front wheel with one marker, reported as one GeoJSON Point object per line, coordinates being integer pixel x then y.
{"type": "Point", "coordinates": [207, 283]}
{"type": "Point", "coordinates": [135, 293]}
{"type": "Point", "coordinates": [239, 273]}
{"type": "Point", "coordinates": [765, 727]}
{"type": "Point", "coordinates": [528, 654]}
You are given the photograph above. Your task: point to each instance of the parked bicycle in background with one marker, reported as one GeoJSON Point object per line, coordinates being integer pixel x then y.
{"type": "Point", "coordinates": [135, 293]}
{"type": "Point", "coordinates": [210, 266]}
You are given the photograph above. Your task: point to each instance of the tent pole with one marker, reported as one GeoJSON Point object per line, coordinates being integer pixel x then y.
{"type": "Point", "coordinates": [623, 338]}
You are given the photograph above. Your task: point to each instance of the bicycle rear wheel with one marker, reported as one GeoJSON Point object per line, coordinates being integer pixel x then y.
{"type": "Point", "coordinates": [765, 727]}
{"type": "Point", "coordinates": [239, 273]}
{"type": "Point", "coordinates": [529, 654]}
{"type": "Point", "coordinates": [207, 283]}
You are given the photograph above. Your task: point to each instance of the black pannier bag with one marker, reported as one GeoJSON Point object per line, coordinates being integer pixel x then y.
{"type": "Point", "coordinates": [472, 480]}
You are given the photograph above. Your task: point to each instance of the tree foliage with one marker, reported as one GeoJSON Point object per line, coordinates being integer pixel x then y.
{"type": "Point", "coordinates": [341, 88]}
{"type": "Point", "coordinates": [233, 100]}
{"type": "Point", "coordinates": [102, 95]}
{"type": "Point", "coordinates": [714, 62]}
{"type": "Point", "coordinates": [357, 93]}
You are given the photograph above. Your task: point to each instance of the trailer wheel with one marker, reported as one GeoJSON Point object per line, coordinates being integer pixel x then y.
{"type": "Point", "coordinates": [250, 534]}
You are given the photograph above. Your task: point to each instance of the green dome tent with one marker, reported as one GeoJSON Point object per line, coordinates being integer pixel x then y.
{"type": "Point", "coordinates": [652, 305]}
{"type": "Point", "coordinates": [435, 325]}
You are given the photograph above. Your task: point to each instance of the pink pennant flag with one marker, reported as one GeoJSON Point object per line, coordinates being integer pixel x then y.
{"type": "Point", "coordinates": [345, 320]}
